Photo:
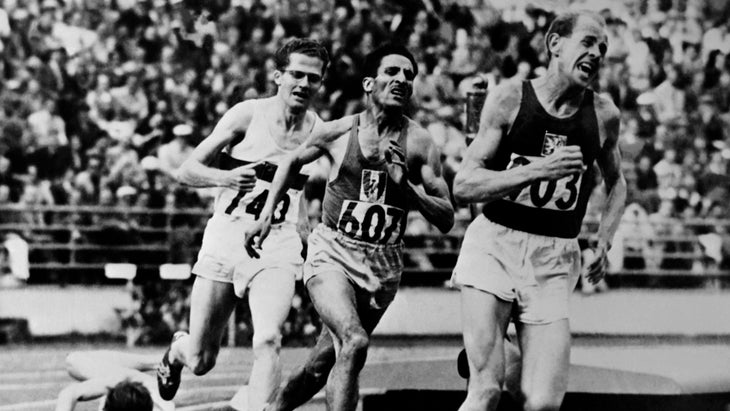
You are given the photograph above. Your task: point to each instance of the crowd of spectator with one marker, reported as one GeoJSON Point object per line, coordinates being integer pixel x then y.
{"type": "Point", "coordinates": [101, 99]}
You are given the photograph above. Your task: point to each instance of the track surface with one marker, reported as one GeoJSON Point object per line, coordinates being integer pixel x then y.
{"type": "Point", "coordinates": [31, 376]}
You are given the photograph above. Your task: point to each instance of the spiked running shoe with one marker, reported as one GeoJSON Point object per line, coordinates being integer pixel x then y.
{"type": "Point", "coordinates": [168, 374]}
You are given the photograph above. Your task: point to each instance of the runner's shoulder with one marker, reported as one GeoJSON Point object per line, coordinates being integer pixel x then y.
{"type": "Point", "coordinates": [419, 139]}
{"type": "Point", "coordinates": [503, 102]}
{"type": "Point", "coordinates": [606, 109]}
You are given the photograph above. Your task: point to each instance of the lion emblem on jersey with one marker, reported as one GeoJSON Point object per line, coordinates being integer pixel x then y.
{"type": "Point", "coordinates": [372, 186]}
{"type": "Point", "coordinates": [552, 142]}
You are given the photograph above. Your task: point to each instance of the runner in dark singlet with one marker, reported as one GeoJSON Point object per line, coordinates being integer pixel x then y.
{"type": "Point", "coordinates": [532, 163]}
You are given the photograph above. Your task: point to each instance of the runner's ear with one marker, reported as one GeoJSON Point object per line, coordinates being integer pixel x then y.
{"type": "Point", "coordinates": [277, 77]}
{"type": "Point", "coordinates": [367, 84]}
{"type": "Point", "coordinates": [554, 43]}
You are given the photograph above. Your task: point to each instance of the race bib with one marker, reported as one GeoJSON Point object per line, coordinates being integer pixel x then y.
{"type": "Point", "coordinates": [560, 195]}
{"type": "Point", "coordinates": [371, 222]}
{"type": "Point", "coordinates": [252, 202]}
{"type": "Point", "coordinates": [370, 219]}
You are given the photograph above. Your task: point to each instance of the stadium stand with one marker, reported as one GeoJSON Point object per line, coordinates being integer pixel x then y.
{"type": "Point", "coordinates": [101, 99]}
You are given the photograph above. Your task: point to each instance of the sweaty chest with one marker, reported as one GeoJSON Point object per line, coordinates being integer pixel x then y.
{"type": "Point", "coordinates": [373, 148]}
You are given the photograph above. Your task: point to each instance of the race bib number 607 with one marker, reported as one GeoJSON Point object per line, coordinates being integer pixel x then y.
{"type": "Point", "coordinates": [371, 222]}
{"type": "Point", "coordinates": [561, 195]}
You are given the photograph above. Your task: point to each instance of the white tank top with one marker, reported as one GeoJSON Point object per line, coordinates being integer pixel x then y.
{"type": "Point", "coordinates": [259, 145]}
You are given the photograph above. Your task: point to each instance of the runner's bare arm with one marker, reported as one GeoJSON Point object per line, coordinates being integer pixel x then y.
{"type": "Point", "coordinates": [303, 227]}
{"type": "Point", "coordinates": [609, 161]}
{"type": "Point", "coordinates": [85, 365]}
{"type": "Point", "coordinates": [318, 143]}
{"type": "Point", "coordinates": [195, 170]}
{"type": "Point", "coordinates": [478, 182]}
{"type": "Point", "coordinates": [82, 391]}
{"type": "Point", "coordinates": [99, 371]}
{"type": "Point", "coordinates": [432, 197]}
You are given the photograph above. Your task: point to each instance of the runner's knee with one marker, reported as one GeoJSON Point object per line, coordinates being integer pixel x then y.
{"type": "Point", "coordinates": [355, 346]}
{"type": "Point", "coordinates": [266, 341]}
{"type": "Point", "coordinates": [319, 367]}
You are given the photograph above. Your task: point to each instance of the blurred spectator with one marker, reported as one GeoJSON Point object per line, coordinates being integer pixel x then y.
{"type": "Point", "coordinates": [673, 239]}
{"type": "Point", "coordinates": [90, 88]}
{"type": "Point", "coordinates": [632, 247]}
{"type": "Point", "coordinates": [129, 98]}
{"type": "Point", "coordinates": [46, 127]}
{"type": "Point", "coordinates": [88, 181]}
{"type": "Point", "coordinates": [668, 173]}
{"type": "Point", "coordinates": [171, 155]}
{"type": "Point", "coordinates": [670, 96]}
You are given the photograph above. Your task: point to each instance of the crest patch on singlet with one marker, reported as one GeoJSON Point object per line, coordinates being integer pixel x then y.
{"type": "Point", "coordinates": [552, 142]}
{"type": "Point", "coordinates": [372, 186]}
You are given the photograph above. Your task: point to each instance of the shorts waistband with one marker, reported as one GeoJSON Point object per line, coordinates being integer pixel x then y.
{"type": "Point", "coordinates": [556, 240]}
{"type": "Point", "coordinates": [340, 236]}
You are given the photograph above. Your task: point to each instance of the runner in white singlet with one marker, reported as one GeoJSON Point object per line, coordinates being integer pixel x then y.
{"type": "Point", "coordinates": [249, 140]}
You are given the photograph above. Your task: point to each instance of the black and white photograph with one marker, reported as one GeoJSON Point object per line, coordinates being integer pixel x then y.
{"type": "Point", "coordinates": [364, 205]}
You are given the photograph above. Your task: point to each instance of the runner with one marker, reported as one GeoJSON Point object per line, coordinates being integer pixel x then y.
{"type": "Point", "coordinates": [119, 377]}
{"type": "Point", "coordinates": [250, 139]}
{"type": "Point", "coordinates": [355, 257]}
{"type": "Point", "coordinates": [532, 162]}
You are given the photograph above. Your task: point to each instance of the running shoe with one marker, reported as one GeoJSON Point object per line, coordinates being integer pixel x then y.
{"type": "Point", "coordinates": [168, 374]}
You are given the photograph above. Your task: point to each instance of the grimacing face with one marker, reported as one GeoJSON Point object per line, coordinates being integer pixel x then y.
{"type": "Point", "coordinates": [581, 54]}
{"type": "Point", "coordinates": [393, 84]}
{"type": "Point", "coordinates": [300, 80]}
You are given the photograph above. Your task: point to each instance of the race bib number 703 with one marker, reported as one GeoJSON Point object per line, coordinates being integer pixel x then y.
{"type": "Point", "coordinates": [560, 195]}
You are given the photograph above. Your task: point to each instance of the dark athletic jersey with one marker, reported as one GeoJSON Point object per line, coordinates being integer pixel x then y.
{"type": "Point", "coordinates": [363, 202]}
{"type": "Point", "coordinates": [551, 208]}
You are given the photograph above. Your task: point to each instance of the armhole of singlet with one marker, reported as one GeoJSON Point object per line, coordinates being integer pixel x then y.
{"type": "Point", "coordinates": [317, 119]}
{"type": "Point", "coordinates": [241, 135]}
{"type": "Point", "coordinates": [524, 103]}
{"type": "Point", "coordinates": [352, 146]}
{"type": "Point", "coordinates": [403, 138]}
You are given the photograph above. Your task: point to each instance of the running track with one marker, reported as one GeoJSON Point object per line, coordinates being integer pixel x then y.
{"type": "Point", "coordinates": [31, 376]}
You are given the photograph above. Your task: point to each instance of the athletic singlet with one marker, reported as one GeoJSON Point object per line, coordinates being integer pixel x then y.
{"type": "Point", "coordinates": [259, 146]}
{"type": "Point", "coordinates": [551, 208]}
{"type": "Point", "coordinates": [363, 202]}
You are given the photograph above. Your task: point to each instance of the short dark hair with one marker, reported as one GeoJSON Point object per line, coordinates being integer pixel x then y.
{"type": "Point", "coordinates": [564, 23]}
{"type": "Point", "coordinates": [128, 396]}
{"type": "Point", "coordinates": [373, 59]}
{"type": "Point", "coordinates": [308, 47]}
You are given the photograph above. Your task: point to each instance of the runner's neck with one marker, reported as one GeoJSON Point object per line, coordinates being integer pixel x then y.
{"type": "Point", "coordinates": [387, 121]}
{"type": "Point", "coordinates": [558, 95]}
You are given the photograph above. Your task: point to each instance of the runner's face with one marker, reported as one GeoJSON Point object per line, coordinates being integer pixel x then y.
{"type": "Point", "coordinates": [583, 52]}
{"type": "Point", "coordinates": [393, 84]}
{"type": "Point", "coordinates": [299, 82]}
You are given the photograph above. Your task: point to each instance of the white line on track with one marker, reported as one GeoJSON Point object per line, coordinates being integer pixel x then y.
{"type": "Point", "coordinates": [203, 407]}
{"type": "Point", "coordinates": [28, 405]}
{"type": "Point", "coordinates": [28, 387]}
{"type": "Point", "coordinates": [32, 375]}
